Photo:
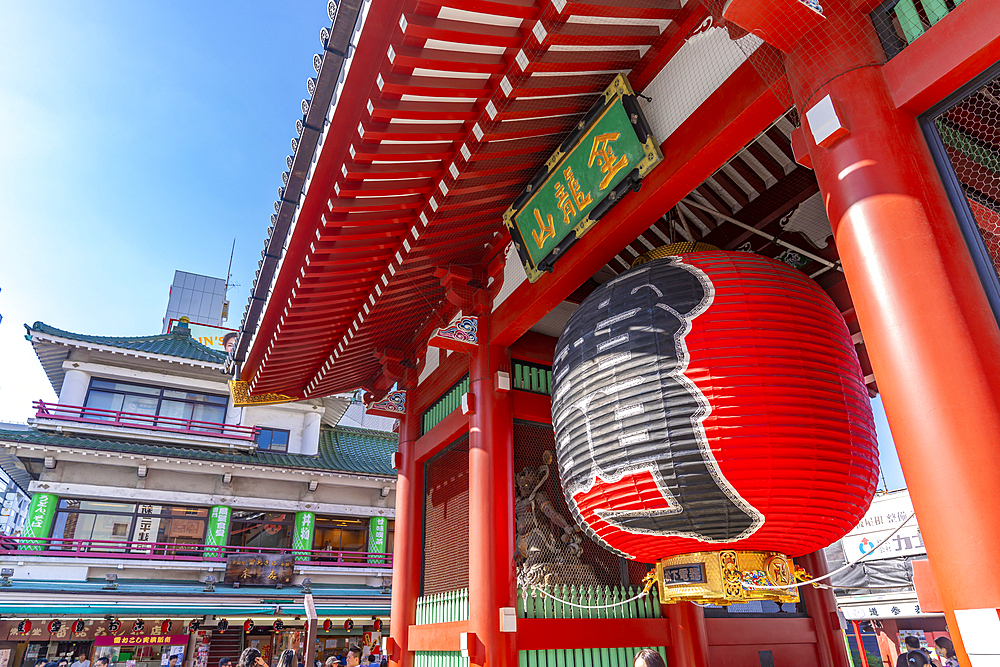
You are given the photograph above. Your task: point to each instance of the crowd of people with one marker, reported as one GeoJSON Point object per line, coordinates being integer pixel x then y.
{"type": "Point", "coordinates": [353, 657]}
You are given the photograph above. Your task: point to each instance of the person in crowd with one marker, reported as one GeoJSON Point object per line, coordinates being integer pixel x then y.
{"type": "Point", "coordinates": [915, 656]}
{"type": "Point", "coordinates": [172, 661]}
{"type": "Point", "coordinates": [332, 661]}
{"type": "Point", "coordinates": [62, 662]}
{"type": "Point", "coordinates": [647, 657]}
{"type": "Point", "coordinates": [103, 661]}
{"type": "Point", "coordinates": [80, 660]}
{"type": "Point", "coordinates": [225, 662]}
{"type": "Point", "coordinates": [354, 656]}
{"type": "Point", "coordinates": [40, 662]}
{"type": "Point", "coordinates": [251, 658]}
{"type": "Point", "coordinates": [52, 664]}
{"type": "Point", "coordinates": [371, 658]}
{"type": "Point", "coordinates": [384, 662]}
{"type": "Point", "coordinates": [946, 649]}
{"type": "Point", "coordinates": [288, 658]}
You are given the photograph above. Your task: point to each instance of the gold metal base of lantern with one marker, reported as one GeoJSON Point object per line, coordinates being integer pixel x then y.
{"type": "Point", "coordinates": [672, 249]}
{"type": "Point", "coordinates": [726, 577]}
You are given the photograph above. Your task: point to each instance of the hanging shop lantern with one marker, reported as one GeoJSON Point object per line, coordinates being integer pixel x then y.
{"type": "Point", "coordinates": [327, 625]}
{"type": "Point", "coordinates": [711, 417]}
{"type": "Point", "coordinates": [348, 625]}
{"type": "Point", "coordinates": [222, 625]}
{"type": "Point", "coordinates": [24, 627]}
{"type": "Point", "coordinates": [377, 625]}
{"type": "Point", "coordinates": [79, 625]}
{"type": "Point", "coordinates": [248, 625]}
{"type": "Point", "coordinates": [54, 625]}
{"type": "Point", "coordinates": [138, 626]}
{"type": "Point", "coordinates": [193, 626]}
{"type": "Point", "coordinates": [165, 627]}
{"type": "Point", "coordinates": [277, 626]}
{"type": "Point", "coordinates": [114, 625]}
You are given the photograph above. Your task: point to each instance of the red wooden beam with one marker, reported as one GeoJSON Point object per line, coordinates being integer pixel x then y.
{"type": "Point", "coordinates": [732, 116]}
{"type": "Point", "coordinates": [531, 407]}
{"type": "Point", "coordinates": [436, 636]}
{"type": "Point", "coordinates": [760, 631]}
{"type": "Point", "coordinates": [540, 634]}
{"type": "Point", "coordinates": [950, 54]}
{"type": "Point", "coordinates": [445, 432]}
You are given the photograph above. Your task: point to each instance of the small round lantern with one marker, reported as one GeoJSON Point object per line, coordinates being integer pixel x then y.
{"type": "Point", "coordinates": [24, 627]}
{"type": "Point", "coordinates": [79, 625]}
{"type": "Point", "coordinates": [278, 625]}
{"type": "Point", "coordinates": [165, 627]}
{"type": "Point", "coordinates": [327, 625]}
{"type": "Point", "coordinates": [114, 625]}
{"type": "Point", "coordinates": [222, 625]}
{"type": "Point", "coordinates": [713, 402]}
{"type": "Point", "coordinates": [248, 625]}
{"type": "Point", "coordinates": [55, 625]}
{"type": "Point", "coordinates": [193, 626]}
{"type": "Point", "coordinates": [348, 625]}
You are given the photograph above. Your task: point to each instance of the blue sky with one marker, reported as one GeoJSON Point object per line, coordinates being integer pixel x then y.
{"type": "Point", "coordinates": [137, 138]}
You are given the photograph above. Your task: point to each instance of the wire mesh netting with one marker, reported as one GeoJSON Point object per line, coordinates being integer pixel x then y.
{"type": "Point", "coordinates": [446, 520]}
{"type": "Point", "coordinates": [551, 551]}
{"type": "Point", "coordinates": [970, 132]}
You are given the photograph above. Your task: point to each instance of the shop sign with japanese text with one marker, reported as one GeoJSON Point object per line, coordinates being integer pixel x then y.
{"type": "Point", "coordinates": [601, 161]}
{"type": "Point", "coordinates": [888, 517]}
{"type": "Point", "coordinates": [259, 569]}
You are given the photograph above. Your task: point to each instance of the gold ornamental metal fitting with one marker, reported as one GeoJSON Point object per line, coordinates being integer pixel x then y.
{"type": "Point", "coordinates": [726, 577]}
{"type": "Point", "coordinates": [672, 249]}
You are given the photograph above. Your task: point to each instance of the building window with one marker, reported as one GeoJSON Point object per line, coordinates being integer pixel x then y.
{"type": "Point", "coordinates": [89, 525]}
{"type": "Point", "coordinates": [154, 401]}
{"type": "Point", "coordinates": [273, 439]}
{"type": "Point", "coordinates": [261, 530]}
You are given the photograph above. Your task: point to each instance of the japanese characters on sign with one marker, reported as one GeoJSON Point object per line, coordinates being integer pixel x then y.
{"type": "Point", "coordinates": [608, 154]}
{"type": "Point", "coordinates": [259, 569]}
{"type": "Point", "coordinates": [684, 574]}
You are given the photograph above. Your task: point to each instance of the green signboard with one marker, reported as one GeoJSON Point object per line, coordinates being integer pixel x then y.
{"type": "Point", "coordinates": [218, 529]}
{"type": "Point", "coordinates": [378, 533]}
{"type": "Point", "coordinates": [302, 538]}
{"type": "Point", "coordinates": [38, 523]}
{"type": "Point", "coordinates": [606, 157]}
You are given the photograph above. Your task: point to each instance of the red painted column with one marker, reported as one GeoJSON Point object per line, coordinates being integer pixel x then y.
{"type": "Point", "coordinates": [932, 340]}
{"type": "Point", "coordinates": [491, 505]}
{"type": "Point", "coordinates": [688, 635]}
{"type": "Point", "coordinates": [408, 537]}
{"type": "Point", "coordinates": [821, 606]}
{"type": "Point", "coordinates": [861, 644]}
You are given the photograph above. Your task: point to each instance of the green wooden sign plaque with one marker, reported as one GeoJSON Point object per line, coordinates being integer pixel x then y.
{"type": "Point", "coordinates": [601, 161]}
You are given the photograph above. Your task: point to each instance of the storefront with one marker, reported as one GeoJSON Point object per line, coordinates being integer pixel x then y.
{"type": "Point", "coordinates": [142, 650]}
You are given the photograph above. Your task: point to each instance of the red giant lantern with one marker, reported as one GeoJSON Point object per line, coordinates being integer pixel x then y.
{"type": "Point", "coordinates": [708, 402]}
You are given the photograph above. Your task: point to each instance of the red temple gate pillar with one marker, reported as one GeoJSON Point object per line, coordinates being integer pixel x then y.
{"type": "Point", "coordinates": [821, 606]}
{"type": "Point", "coordinates": [491, 505]}
{"type": "Point", "coordinates": [409, 538]}
{"type": "Point", "coordinates": [931, 336]}
{"type": "Point", "coordinates": [688, 635]}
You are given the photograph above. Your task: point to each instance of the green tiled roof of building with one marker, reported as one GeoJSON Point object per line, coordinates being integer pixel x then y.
{"type": "Point", "coordinates": [177, 343]}
{"type": "Point", "coordinates": [341, 449]}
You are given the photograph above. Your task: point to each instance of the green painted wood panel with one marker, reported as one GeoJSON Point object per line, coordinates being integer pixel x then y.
{"type": "Point", "coordinates": [444, 406]}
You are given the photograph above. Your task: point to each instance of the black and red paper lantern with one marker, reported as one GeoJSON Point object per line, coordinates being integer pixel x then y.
{"type": "Point", "coordinates": [79, 625]}
{"type": "Point", "coordinates": [712, 401]}
{"type": "Point", "coordinates": [193, 626]}
{"type": "Point", "coordinates": [138, 626]}
{"type": "Point", "coordinates": [24, 627]}
{"type": "Point", "coordinates": [165, 627]}
{"type": "Point", "coordinates": [377, 625]}
{"type": "Point", "coordinates": [54, 625]}
{"type": "Point", "coordinates": [348, 625]}
{"type": "Point", "coordinates": [278, 625]}
{"type": "Point", "coordinates": [114, 625]}
{"type": "Point", "coordinates": [222, 625]}
{"type": "Point", "coordinates": [327, 625]}
{"type": "Point", "coordinates": [248, 625]}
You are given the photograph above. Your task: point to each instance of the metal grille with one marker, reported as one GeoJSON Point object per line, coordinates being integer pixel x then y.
{"type": "Point", "coordinates": [551, 550]}
{"type": "Point", "coordinates": [970, 133]}
{"type": "Point", "coordinates": [446, 520]}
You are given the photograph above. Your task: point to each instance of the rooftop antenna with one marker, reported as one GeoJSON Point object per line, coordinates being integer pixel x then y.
{"type": "Point", "coordinates": [229, 276]}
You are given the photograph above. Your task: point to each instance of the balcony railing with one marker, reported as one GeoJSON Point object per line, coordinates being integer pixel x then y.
{"type": "Point", "coordinates": [80, 414]}
{"type": "Point", "coordinates": [167, 551]}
